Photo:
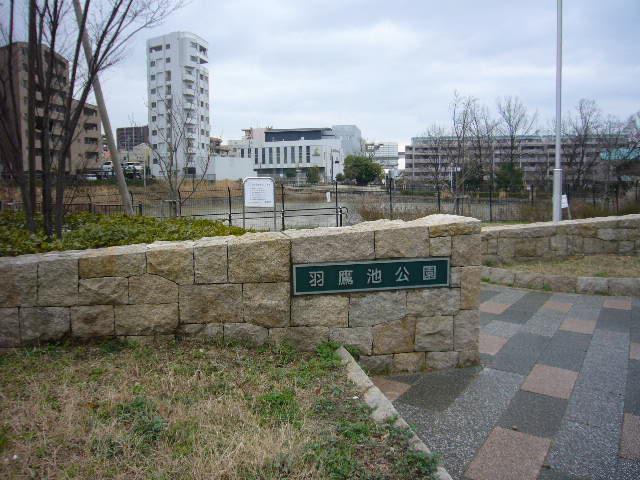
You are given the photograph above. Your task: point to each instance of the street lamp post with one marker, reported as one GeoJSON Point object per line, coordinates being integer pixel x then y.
{"type": "Point", "coordinates": [557, 171]}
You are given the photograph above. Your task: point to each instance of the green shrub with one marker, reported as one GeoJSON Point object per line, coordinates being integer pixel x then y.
{"type": "Point", "coordinates": [88, 230]}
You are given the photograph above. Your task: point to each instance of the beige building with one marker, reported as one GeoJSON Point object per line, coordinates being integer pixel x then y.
{"type": "Point", "coordinates": [86, 146]}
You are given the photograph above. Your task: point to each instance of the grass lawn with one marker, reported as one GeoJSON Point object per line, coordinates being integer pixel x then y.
{"type": "Point", "coordinates": [191, 410]}
{"type": "Point", "coordinates": [587, 266]}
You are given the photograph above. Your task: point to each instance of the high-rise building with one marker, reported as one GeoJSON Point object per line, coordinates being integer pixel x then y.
{"type": "Point", "coordinates": [178, 93]}
{"type": "Point", "coordinates": [384, 153]}
{"type": "Point", "coordinates": [129, 137]}
{"type": "Point", "coordinates": [84, 152]}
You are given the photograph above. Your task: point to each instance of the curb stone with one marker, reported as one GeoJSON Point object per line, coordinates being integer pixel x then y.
{"type": "Point", "coordinates": [382, 408]}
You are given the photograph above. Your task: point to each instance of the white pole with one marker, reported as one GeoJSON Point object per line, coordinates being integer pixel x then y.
{"type": "Point", "coordinates": [557, 171]}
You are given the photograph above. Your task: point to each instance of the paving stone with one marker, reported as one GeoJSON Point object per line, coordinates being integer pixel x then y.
{"type": "Point", "coordinates": [577, 325]}
{"type": "Point", "coordinates": [557, 306]}
{"type": "Point", "coordinates": [630, 441]}
{"type": "Point", "coordinates": [530, 302]}
{"type": "Point", "coordinates": [594, 406]}
{"type": "Point", "coordinates": [586, 451]}
{"type": "Point", "coordinates": [512, 315]}
{"type": "Point", "coordinates": [632, 392]}
{"type": "Point", "coordinates": [520, 353]}
{"type": "Point", "coordinates": [614, 319]}
{"type": "Point", "coordinates": [634, 351]}
{"type": "Point", "coordinates": [392, 389]}
{"type": "Point", "coordinates": [501, 329]}
{"type": "Point", "coordinates": [619, 303]}
{"type": "Point", "coordinates": [535, 414]}
{"type": "Point", "coordinates": [459, 430]}
{"type": "Point", "coordinates": [487, 294]}
{"type": "Point", "coordinates": [486, 318]}
{"type": "Point", "coordinates": [627, 469]}
{"type": "Point", "coordinates": [544, 322]}
{"type": "Point", "coordinates": [491, 344]}
{"type": "Point", "coordinates": [552, 381]}
{"type": "Point", "coordinates": [548, 473]}
{"type": "Point", "coordinates": [507, 455]}
{"type": "Point", "coordinates": [566, 350]}
{"type": "Point", "coordinates": [493, 307]}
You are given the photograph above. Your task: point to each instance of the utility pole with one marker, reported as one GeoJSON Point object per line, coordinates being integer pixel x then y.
{"type": "Point", "coordinates": [97, 90]}
{"type": "Point", "coordinates": [557, 171]}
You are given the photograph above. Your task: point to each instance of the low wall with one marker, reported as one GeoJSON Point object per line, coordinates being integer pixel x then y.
{"type": "Point", "coordinates": [619, 235]}
{"type": "Point", "coordinates": [240, 288]}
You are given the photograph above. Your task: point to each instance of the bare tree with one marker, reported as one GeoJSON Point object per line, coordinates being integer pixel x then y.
{"type": "Point", "coordinates": [63, 79]}
{"type": "Point", "coordinates": [483, 132]}
{"type": "Point", "coordinates": [461, 117]}
{"type": "Point", "coordinates": [440, 142]}
{"type": "Point", "coordinates": [515, 122]}
{"type": "Point", "coordinates": [176, 151]}
{"type": "Point", "coordinates": [580, 151]}
{"type": "Point", "coordinates": [619, 148]}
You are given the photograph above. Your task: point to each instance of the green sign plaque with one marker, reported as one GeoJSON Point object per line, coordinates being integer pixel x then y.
{"type": "Point", "coordinates": [372, 275]}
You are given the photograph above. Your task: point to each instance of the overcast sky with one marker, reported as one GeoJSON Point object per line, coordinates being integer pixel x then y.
{"type": "Point", "coordinates": [391, 67]}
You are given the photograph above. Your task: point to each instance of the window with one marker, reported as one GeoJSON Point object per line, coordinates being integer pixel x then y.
{"type": "Point", "coordinates": [167, 60]}
{"type": "Point", "coordinates": [271, 155]}
{"type": "Point", "coordinates": [168, 89]}
{"type": "Point", "coordinates": [193, 58]}
{"type": "Point", "coordinates": [153, 104]}
{"type": "Point", "coordinates": [277, 154]}
{"type": "Point", "coordinates": [153, 77]}
{"type": "Point", "coordinates": [255, 156]}
{"type": "Point", "coordinates": [154, 132]}
{"type": "Point", "coordinates": [167, 75]}
{"type": "Point", "coordinates": [264, 156]}
{"type": "Point", "coordinates": [242, 153]}
{"type": "Point", "coordinates": [156, 48]}
{"type": "Point", "coordinates": [300, 154]}
{"type": "Point", "coordinates": [153, 118]}
{"type": "Point", "coordinates": [167, 46]}
{"type": "Point", "coordinates": [285, 154]}
{"type": "Point", "coordinates": [153, 91]}
{"type": "Point", "coordinates": [308, 154]}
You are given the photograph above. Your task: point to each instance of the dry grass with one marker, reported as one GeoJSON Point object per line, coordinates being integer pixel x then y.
{"type": "Point", "coordinates": [183, 410]}
{"type": "Point", "coordinates": [587, 266]}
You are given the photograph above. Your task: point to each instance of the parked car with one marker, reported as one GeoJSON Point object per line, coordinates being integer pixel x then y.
{"type": "Point", "coordinates": [91, 177]}
{"type": "Point", "coordinates": [107, 167]}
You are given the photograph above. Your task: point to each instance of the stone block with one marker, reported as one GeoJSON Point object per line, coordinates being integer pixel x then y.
{"type": "Point", "coordinates": [152, 289]}
{"type": "Point", "coordinates": [626, 247]}
{"type": "Point", "coordinates": [434, 334]}
{"type": "Point", "coordinates": [376, 364]}
{"type": "Point", "coordinates": [303, 338]}
{"type": "Point", "coordinates": [529, 280]}
{"type": "Point", "coordinates": [266, 304]}
{"type": "Point", "coordinates": [454, 279]}
{"type": "Point", "coordinates": [331, 244]}
{"type": "Point", "coordinates": [629, 221]}
{"type": "Point", "coordinates": [19, 283]}
{"type": "Point", "coordinates": [469, 287]}
{"type": "Point", "coordinates": [320, 310]}
{"type": "Point", "coordinates": [121, 261]}
{"type": "Point", "coordinates": [433, 301]}
{"type": "Point", "coordinates": [466, 250]}
{"type": "Point", "coordinates": [359, 337]}
{"type": "Point", "coordinates": [208, 331]}
{"type": "Point", "coordinates": [211, 303]}
{"type": "Point", "coordinates": [440, 246]}
{"type": "Point", "coordinates": [468, 358]}
{"type": "Point", "coordinates": [502, 276]}
{"type": "Point", "coordinates": [525, 248]}
{"type": "Point", "coordinates": [44, 324]}
{"type": "Point", "coordinates": [575, 245]}
{"type": "Point", "coordinates": [466, 330]}
{"type": "Point", "coordinates": [492, 246]}
{"type": "Point", "coordinates": [559, 245]}
{"type": "Point", "coordinates": [146, 319]}
{"type": "Point", "coordinates": [408, 362]}
{"type": "Point", "coordinates": [595, 245]}
{"type": "Point", "coordinates": [9, 328]}
{"type": "Point", "coordinates": [458, 227]}
{"type": "Point", "coordinates": [394, 337]}
{"type": "Point", "coordinates": [245, 333]}
{"type": "Point", "coordinates": [610, 234]}
{"type": "Point", "coordinates": [58, 281]}
{"type": "Point", "coordinates": [210, 260]}
{"type": "Point", "coordinates": [92, 321]}
{"type": "Point", "coordinates": [171, 260]}
{"type": "Point", "coordinates": [506, 249]}
{"type": "Point", "coordinates": [629, 287]}
{"type": "Point", "coordinates": [103, 291]}
{"type": "Point", "coordinates": [259, 257]}
{"type": "Point", "coordinates": [441, 360]}
{"type": "Point", "coordinates": [402, 241]}
{"type": "Point", "coordinates": [560, 283]}
{"type": "Point", "coordinates": [592, 285]}
{"type": "Point", "coordinates": [368, 309]}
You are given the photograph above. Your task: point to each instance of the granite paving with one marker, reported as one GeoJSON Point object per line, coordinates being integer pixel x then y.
{"type": "Point", "coordinates": [557, 395]}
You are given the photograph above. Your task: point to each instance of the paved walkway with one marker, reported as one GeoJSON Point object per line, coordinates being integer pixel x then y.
{"type": "Point", "coordinates": [557, 397]}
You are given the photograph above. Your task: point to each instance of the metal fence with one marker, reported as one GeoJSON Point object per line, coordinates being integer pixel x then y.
{"type": "Point", "coordinates": [336, 205]}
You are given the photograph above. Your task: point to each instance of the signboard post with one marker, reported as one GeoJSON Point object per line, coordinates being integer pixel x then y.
{"type": "Point", "coordinates": [344, 277]}
{"type": "Point", "coordinates": [259, 192]}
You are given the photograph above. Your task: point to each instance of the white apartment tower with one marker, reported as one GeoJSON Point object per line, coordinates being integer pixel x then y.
{"type": "Point", "coordinates": [178, 103]}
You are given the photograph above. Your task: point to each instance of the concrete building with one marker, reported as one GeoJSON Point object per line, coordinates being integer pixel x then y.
{"type": "Point", "coordinates": [290, 153]}
{"type": "Point", "coordinates": [427, 158]}
{"type": "Point", "coordinates": [178, 93]}
{"type": "Point", "coordinates": [386, 154]}
{"type": "Point", "coordinates": [129, 137]}
{"type": "Point", "coordinates": [84, 152]}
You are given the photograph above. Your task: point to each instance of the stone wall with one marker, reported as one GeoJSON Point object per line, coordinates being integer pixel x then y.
{"type": "Point", "coordinates": [239, 288]}
{"type": "Point", "coordinates": [617, 235]}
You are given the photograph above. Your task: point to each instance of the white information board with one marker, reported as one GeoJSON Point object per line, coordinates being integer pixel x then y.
{"type": "Point", "coordinates": [565, 202]}
{"type": "Point", "coordinates": [259, 192]}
